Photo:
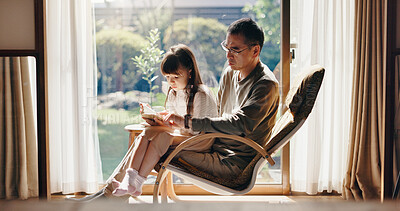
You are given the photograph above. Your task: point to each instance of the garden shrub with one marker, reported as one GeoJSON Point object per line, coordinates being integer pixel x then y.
{"type": "Point", "coordinates": [203, 36]}
{"type": "Point", "coordinates": [115, 48]}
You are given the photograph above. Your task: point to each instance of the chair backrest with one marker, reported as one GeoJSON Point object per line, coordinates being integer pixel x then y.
{"type": "Point", "coordinates": [300, 101]}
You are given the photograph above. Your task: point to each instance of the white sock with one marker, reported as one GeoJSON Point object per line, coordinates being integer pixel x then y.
{"type": "Point", "coordinates": [129, 177]}
{"type": "Point", "coordinates": [139, 181]}
{"type": "Point", "coordinates": [115, 184]}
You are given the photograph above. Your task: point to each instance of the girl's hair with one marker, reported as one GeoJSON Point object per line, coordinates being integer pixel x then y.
{"type": "Point", "coordinates": [181, 57]}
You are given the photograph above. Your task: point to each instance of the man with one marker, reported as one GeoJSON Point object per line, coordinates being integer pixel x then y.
{"type": "Point", "coordinates": [248, 100]}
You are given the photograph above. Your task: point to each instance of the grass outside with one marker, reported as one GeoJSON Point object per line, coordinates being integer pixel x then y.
{"type": "Point", "coordinates": [113, 146]}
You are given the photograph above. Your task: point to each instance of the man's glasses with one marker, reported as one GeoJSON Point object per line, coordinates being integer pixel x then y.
{"type": "Point", "coordinates": [233, 51]}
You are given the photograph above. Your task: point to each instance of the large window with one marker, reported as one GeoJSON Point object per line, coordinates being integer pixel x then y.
{"type": "Point", "coordinates": [123, 29]}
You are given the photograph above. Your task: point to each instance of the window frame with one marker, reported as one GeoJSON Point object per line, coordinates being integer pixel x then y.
{"type": "Point", "coordinates": [261, 189]}
{"type": "Point", "coordinates": [38, 52]}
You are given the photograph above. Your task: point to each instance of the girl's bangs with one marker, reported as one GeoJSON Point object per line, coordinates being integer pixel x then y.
{"type": "Point", "coordinates": [170, 66]}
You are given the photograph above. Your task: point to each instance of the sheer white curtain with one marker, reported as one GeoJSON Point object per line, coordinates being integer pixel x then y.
{"type": "Point", "coordinates": [323, 31]}
{"type": "Point", "coordinates": [75, 163]}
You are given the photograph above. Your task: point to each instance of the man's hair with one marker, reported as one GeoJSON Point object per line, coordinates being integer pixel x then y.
{"type": "Point", "coordinates": [247, 27]}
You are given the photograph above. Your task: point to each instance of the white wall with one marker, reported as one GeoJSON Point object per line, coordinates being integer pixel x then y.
{"type": "Point", "coordinates": [17, 24]}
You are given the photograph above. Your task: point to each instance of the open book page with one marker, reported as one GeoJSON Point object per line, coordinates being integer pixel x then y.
{"type": "Point", "coordinates": [149, 113]}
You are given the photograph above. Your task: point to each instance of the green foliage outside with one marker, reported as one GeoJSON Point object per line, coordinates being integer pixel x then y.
{"type": "Point", "coordinates": [115, 47]}
{"type": "Point", "coordinates": [116, 71]}
{"type": "Point", "coordinates": [149, 19]}
{"type": "Point", "coordinates": [149, 61]}
{"type": "Point", "coordinates": [203, 36]}
{"type": "Point", "coordinates": [267, 15]}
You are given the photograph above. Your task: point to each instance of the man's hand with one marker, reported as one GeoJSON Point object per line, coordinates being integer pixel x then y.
{"type": "Point", "coordinates": [152, 122]}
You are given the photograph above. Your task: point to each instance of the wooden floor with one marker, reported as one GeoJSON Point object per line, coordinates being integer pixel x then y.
{"type": "Point", "coordinates": [246, 198]}
{"type": "Point", "coordinates": [324, 202]}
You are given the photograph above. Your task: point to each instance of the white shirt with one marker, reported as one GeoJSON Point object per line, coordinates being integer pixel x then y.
{"type": "Point", "coordinates": [204, 103]}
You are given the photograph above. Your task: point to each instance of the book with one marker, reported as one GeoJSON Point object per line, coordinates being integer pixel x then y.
{"type": "Point", "coordinates": [149, 113]}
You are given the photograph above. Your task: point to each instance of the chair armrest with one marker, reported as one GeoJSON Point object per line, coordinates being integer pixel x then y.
{"type": "Point", "coordinates": [201, 137]}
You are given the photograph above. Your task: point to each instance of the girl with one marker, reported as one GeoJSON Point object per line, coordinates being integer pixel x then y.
{"type": "Point", "coordinates": [186, 95]}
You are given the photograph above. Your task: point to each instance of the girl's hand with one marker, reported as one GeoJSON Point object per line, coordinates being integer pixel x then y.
{"type": "Point", "coordinates": [152, 121]}
{"type": "Point", "coordinates": [174, 120]}
{"type": "Point", "coordinates": [141, 107]}
{"type": "Point", "coordinates": [163, 113]}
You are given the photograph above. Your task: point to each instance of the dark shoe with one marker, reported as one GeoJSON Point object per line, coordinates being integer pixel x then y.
{"type": "Point", "coordinates": [98, 195]}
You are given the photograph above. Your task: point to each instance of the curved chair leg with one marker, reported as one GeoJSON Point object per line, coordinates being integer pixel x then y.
{"type": "Point", "coordinates": [164, 193]}
{"type": "Point", "coordinates": [170, 188]}
{"type": "Point", "coordinates": [160, 179]}
{"type": "Point", "coordinates": [166, 189]}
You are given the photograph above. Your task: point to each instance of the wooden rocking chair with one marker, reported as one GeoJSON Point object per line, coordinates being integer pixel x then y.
{"type": "Point", "coordinates": [300, 101]}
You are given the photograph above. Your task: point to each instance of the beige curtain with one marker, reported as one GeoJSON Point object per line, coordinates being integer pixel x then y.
{"type": "Point", "coordinates": [363, 176]}
{"type": "Point", "coordinates": [18, 151]}
{"type": "Point", "coordinates": [396, 149]}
